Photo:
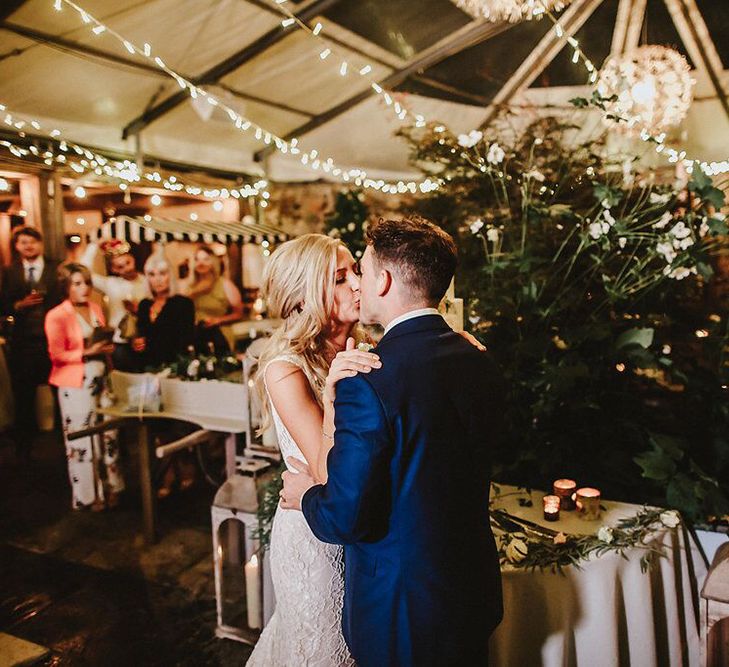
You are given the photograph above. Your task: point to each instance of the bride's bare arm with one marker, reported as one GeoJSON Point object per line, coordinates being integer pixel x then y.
{"type": "Point", "coordinates": [299, 411]}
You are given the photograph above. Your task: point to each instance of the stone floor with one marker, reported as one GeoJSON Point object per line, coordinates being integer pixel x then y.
{"type": "Point", "coordinates": [85, 586]}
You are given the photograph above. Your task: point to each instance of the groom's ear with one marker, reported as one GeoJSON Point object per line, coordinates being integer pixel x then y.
{"type": "Point", "coordinates": [384, 282]}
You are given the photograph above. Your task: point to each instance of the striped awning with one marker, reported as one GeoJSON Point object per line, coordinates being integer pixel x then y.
{"type": "Point", "coordinates": [137, 229]}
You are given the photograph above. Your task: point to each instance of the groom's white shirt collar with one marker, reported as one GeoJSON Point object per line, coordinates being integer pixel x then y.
{"type": "Point", "coordinates": [411, 315]}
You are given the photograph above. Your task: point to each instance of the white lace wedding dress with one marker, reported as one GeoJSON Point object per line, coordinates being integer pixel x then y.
{"type": "Point", "coordinates": [308, 579]}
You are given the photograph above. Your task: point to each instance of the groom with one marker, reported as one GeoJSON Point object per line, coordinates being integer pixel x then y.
{"type": "Point", "coordinates": [407, 493]}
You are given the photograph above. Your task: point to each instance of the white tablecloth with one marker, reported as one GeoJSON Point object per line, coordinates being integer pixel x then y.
{"type": "Point", "coordinates": [606, 613]}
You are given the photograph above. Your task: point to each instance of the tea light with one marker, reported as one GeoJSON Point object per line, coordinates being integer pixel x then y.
{"type": "Point", "coordinates": [551, 508]}
{"type": "Point", "coordinates": [588, 503]}
{"type": "Point", "coordinates": [564, 488]}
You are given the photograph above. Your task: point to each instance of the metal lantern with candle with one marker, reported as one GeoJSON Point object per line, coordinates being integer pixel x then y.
{"type": "Point", "coordinates": [587, 501]}
{"type": "Point", "coordinates": [240, 592]}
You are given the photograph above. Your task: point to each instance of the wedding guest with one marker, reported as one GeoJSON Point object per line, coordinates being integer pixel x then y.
{"type": "Point", "coordinates": [166, 329]}
{"type": "Point", "coordinates": [166, 321]}
{"type": "Point", "coordinates": [217, 302]}
{"type": "Point", "coordinates": [29, 290]}
{"type": "Point", "coordinates": [124, 289]}
{"type": "Point", "coordinates": [78, 370]}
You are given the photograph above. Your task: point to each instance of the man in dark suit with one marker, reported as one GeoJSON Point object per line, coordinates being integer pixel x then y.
{"type": "Point", "coordinates": [409, 472]}
{"type": "Point", "coordinates": [29, 290]}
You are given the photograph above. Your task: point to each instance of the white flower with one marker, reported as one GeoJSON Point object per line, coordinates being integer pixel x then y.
{"type": "Point", "coordinates": [364, 347]}
{"type": "Point", "coordinates": [670, 518]}
{"type": "Point", "coordinates": [470, 139]}
{"type": "Point", "coordinates": [719, 216]}
{"type": "Point", "coordinates": [517, 550]}
{"type": "Point", "coordinates": [666, 249]}
{"type": "Point", "coordinates": [476, 226]}
{"type": "Point", "coordinates": [656, 198]}
{"type": "Point", "coordinates": [597, 229]}
{"type": "Point", "coordinates": [492, 234]}
{"type": "Point", "coordinates": [622, 241]}
{"type": "Point", "coordinates": [608, 217]}
{"type": "Point", "coordinates": [683, 244]}
{"type": "Point", "coordinates": [680, 272]}
{"type": "Point", "coordinates": [665, 219]}
{"type": "Point", "coordinates": [605, 534]}
{"type": "Point", "coordinates": [496, 154]}
{"type": "Point", "coordinates": [703, 228]}
{"type": "Point", "coordinates": [628, 175]}
{"type": "Point", "coordinates": [535, 174]}
{"type": "Point", "coordinates": [193, 368]}
{"type": "Point", "coordinates": [351, 227]}
{"type": "Point", "coordinates": [680, 230]}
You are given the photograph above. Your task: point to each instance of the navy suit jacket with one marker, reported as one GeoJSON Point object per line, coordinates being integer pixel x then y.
{"type": "Point", "coordinates": [407, 496]}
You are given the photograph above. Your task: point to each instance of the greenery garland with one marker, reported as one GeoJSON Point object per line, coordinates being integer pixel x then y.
{"type": "Point", "coordinates": [268, 498]}
{"type": "Point", "coordinates": [522, 544]}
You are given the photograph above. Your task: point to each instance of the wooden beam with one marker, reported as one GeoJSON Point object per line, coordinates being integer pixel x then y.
{"type": "Point", "coordinates": [620, 32]}
{"type": "Point", "coordinates": [542, 55]}
{"type": "Point", "coordinates": [696, 38]}
{"type": "Point", "coordinates": [230, 64]}
{"type": "Point", "coordinates": [458, 95]}
{"type": "Point", "coordinates": [635, 25]}
{"type": "Point", "coordinates": [9, 7]}
{"type": "Point", "coordinates": [85, 50]}
{"type": "Point", "coordinates": [470, 35]}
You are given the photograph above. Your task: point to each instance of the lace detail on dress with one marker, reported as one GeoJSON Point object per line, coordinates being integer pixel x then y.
{"type": "Point", "coordinates": [308, 579]}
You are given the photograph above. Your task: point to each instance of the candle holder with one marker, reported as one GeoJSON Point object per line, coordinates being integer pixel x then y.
{"type": "Point", "coordinates": [565, 489]}
{"type": "Point", "coordinates": [551, 508]}
{"type": "Point", "coordinates": [587, 501]}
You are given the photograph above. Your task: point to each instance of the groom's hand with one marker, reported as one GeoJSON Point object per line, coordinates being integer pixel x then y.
{"type": "Point", "coordinates": [295, 484]}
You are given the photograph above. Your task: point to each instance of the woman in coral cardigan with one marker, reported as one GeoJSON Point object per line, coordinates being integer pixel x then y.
{"type": "Point", "coordinates": [77, 369]}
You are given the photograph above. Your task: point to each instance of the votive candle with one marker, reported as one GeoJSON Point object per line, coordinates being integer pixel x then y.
{"type": "Point", "coordinates": [587, 501]}
{"type": "Point", "coordinates": [565, 488]}
{"type": "Point", "coordinates": [551, 507]}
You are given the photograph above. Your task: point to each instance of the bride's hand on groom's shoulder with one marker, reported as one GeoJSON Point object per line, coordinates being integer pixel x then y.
{"type": "Point", "coordinates": [473, 340]}
{"type": "Point", "coordinates": [348, 363]}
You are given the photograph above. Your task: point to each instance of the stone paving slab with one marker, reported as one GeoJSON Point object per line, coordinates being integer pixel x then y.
{"type": "Point", "coordinates": [15, 652]}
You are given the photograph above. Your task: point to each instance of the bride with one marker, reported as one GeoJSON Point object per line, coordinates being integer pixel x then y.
{"type": "Point", "coordinates": [312, 284]}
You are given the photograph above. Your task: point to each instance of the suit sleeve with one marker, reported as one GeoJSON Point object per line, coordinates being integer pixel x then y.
{"type": "Point", "coordinates": [354, 504]}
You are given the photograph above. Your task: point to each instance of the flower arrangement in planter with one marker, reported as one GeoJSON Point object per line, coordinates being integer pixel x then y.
{"type": "Point", "coordinates": [592, 283]}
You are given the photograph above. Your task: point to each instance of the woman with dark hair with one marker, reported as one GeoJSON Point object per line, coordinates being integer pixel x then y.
{"type": "Point", "coordinates": [77, 369]}
{"type": "Point", "coordinates": [217, 300]}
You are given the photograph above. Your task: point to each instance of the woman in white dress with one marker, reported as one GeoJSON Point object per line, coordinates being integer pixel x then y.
{"type": "Point", "coordinates": [312, 284]}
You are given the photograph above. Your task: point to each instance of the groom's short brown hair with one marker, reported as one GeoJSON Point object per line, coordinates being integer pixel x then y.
{"type": "Point", "coordinates": [422, 255]}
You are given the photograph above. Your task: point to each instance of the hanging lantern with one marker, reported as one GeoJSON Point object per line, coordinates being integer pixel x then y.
{"type": "Point", "coordinates": [509, 10]}
{"type": "Point", "coordinates": [653, 89]}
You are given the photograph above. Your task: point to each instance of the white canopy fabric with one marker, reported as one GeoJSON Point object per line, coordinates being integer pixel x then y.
{"type": "Point", "coordinates": [91, 98]}
{"type": "Point", "coordinates": [137, 229]}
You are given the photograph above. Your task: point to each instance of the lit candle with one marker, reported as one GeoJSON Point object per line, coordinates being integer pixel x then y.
{"type": "Point", "coordinates": [588, 503]}
{"type": "Point", "coordinates": [551, 508]}
{"type": "Point", "coordinates": [253, 593]}
{"type": "Point", "coordinates": [564, 488]}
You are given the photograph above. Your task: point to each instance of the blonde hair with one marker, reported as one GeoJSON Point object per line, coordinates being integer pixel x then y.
{"type": "Point", "coordinates": [158, 260]}
{"type": "Point", "coordinates": [298, 285]}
